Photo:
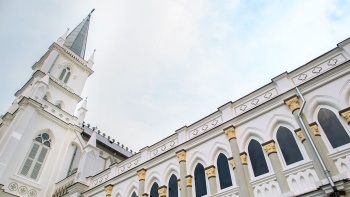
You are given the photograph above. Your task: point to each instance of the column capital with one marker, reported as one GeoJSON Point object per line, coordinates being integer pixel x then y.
{"type": "Point", "coordinates": [300, 134]}
{"type": "Point", "coordinates": [314, 129]}
{"type": "Point", "coordinates": [345, 113]}
{"type": "Point", "coordinates": [269, 147]}
{"type": "Point", "coordinates": [142, 174]}
{"type": "Point", "coordinates": [162, 191]}
{"type": "Point", "coordinates": [210, 171]}
{"type": "Point", "coordinates": [145, 195]}
{"type": "Point", "coordinates": [108, 189]}
{"type": "Point", "coordinates": [244, 158]}
{"type": "Point", "coordinates": [232, 162]}
{"type": "Point", "coordinates": [179, 183]}
{"type": "Point", "coordinates": [189, 181]}
{"type": "Point", "coordinates": [292, 103]}
{"type": "Point", "coordinates": [181, 155]}
{"type": "Point", "coordinates": [230, 132]}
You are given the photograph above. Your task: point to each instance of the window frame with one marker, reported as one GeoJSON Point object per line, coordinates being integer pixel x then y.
{"type": "Point", "coordinates": [66, 75]}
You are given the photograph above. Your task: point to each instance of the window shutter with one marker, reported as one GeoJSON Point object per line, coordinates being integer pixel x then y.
{"type": "Point", "coordinates": [38, 164]}
{"type": "Point", "coordinates": [29, 161]}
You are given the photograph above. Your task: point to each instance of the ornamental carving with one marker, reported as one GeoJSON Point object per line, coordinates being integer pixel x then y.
{"type": "Point", "coordinates": [230, 132]}
{"type": "Point", "coordinates": [345, 114]}
{"type": "Point", "coordinates": [162, 191]}
{"type": "Point", "coordinates": [232, 162]}
{"type": "Point", "coordinates": [293, 103]}
{"type": "Point", "coordinates": [300, 135]}
{"type": "Point", "coordinates": [108, 190]}
{"type": "Point", "coordinates": [314, 129]}
{"type": "Point", "coordinates": [179, 183]}
{"type": "Point", "coordinates": [244, 158]}
{"type": "Point", "coordinates": [142, 174]}
{"type": "Point", "coordinates": [269, 147]}
{"type": "Point", "coordinates": [181, 155]}
{"type": "Point", "coordinates": [144, 195]}
{"type": "Point", "coordinates": [189, 181]}
{"type": "Point", "coordinates": [210, 171]}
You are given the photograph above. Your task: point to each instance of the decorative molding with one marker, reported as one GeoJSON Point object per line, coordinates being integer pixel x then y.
{"type": "Point", "coordinates": [232, 162]}
{"type": "Point", "coordinates": [163, 147]}
{"type": "Point", "coordinates": [103, 178]}
{"type": "Point", "coordinates": [244, 158]}
{"type": "Point", "coordinates": [129, 165]}
{"type": "Point", "coordinates": [181, 155]}
{"type": "Point", "coordinates": [210, 171]}
{"type": "Point", "coordinates": [205, 127]}
{"type": "Point", "coordinates": [142, 174]}
{"type": "Point", "coordinates": [230, 132]}
{"type": "Point", "coordinates": [345, 113]}
{"type": "Point", "coordinates": [269, 147]}
{"type": "Point", "coordinates": [256, 101]}
{"type": "Point", "coordinates": [314, 129]}
{"type": "Point", "coordinates": [22, 190]}
{"type": "Point", "coordinates": [292, 103]}
{"type": "Point", "coordinates": [189, 181]}
{"type": "Point", "coordinates": [162, 191]}
{"type": "Point", "coordinates": [300, 134]}
{"type": "Point", "coordinates": [144, 195]}
{"type": "Point", "coordinates": [179, 183]}
{"type": "Point", "coordinates": [109, 189]}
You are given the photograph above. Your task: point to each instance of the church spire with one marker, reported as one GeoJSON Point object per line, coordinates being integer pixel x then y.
{"type": "Point", "coordinates": [77, 39]}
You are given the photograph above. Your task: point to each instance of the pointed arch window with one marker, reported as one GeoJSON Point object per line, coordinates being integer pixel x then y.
{"type": "Point", "coordinates": [154, 190]}
{"type": "Point", "coordinates": [257, 158]}
{"type": "Point", "coordinates": [36, 156]}
{"type": "Point", "coordinates": [289, 147]}
{"type": "Point", "coordinates": [332, 127]}
{"type": "Point", "coordinates": [65, 74]}
{"type": "Point", "coordinates": [224, 171]}
{"type": "Point", "coordinates": [133, 194]}
{"type": "Point", "coordinates": [199, 181]}
{"type": "Point", "coordinates": [172, 185]}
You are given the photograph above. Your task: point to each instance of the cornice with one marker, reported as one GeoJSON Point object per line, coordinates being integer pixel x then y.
{"type": "Point", "coordinates": [60, 87]}
{"type": "Point", "coordinates": [37, 73]}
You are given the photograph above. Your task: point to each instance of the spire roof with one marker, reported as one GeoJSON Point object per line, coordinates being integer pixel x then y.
{"type": "Point", "coordinates": [77, 39]}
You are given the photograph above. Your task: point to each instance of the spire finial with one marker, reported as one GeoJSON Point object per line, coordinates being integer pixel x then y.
{"type": "Point", "coordinates": [92, 11]}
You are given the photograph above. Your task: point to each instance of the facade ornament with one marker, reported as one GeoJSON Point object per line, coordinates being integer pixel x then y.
{"type": "Point", "coordinates": [210, 171]}
{"type": "Point", "coordinates": [145, 195]}
{"type": "Point", "coordinates": [314, 129]}
{"type": "Point", "coordinates": [269, 147]}
{"type": "Point", "coordinates": [142, 174]}
{"type": "Point", "coordinates": [345, 113]}
{"type": "Point", "coordinates": [230, 132]}
{"type": "Point", "coordinates": [179, 184]}
{"type": "Point", "coordinates": [232, 162]}
{"type": "Point", "coordinates": [244, 158]}
{"type": "Point", "coordinates": [300, 134]}
{"type": "Point", "coordinates": [109, 189]}
{"type": "Point", "coordinates": [292, 103]}
{"type": "Point", "coordinates": [189, 181]}
{"type": "Point", "coordinates": [162, 191]}
{"type": "Point", "coordinates": [181, 155]}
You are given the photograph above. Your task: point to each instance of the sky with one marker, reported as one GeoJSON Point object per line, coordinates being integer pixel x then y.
{"type": "Point", "coordinates": [161, 65]}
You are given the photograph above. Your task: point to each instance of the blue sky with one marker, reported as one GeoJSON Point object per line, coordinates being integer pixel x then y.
{"type": "Point", "coordinates": [160, 65]}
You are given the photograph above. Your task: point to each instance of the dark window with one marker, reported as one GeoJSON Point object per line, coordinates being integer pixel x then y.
{"type": "Point", "coordinates": [133, 194]}
{"type": "Point", "coordinates": [172, 186]}
{"type": "Point", "coordinates": [333, 129]}
{"type": "Point", "coordinates": [154, 190]}
{"type": "Point", "coordinates": [65, 75]}
{"type": "Point", "coordinates": [199, 181]}
{"type": "Point", "coordinates": [224, 172]}
{"type": "Point", "coordinates": [257, 158]}
{"type": "Point", "coordinates": [288, 146]}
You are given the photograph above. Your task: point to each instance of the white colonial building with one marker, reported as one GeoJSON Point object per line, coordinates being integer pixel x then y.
{"type": "Point", "coordinates": [288, 138]}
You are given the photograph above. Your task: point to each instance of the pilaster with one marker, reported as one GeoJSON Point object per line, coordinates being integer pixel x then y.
{"type": "Point", "coordinates": [181, 155]}
{"type": "Point", "coordinates": [142, 177]}
{"type": "Point", "coordinates": [189, 185]}
{"type": "Point", "coordinates": [211, 174]}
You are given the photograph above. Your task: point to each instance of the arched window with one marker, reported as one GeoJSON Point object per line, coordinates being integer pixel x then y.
{"type": "Point", "coordinates": [224, 172]}
{"type": "Point", "coordinates": [133, 194]}
{"type": "Point", "coordinates": [154, 190]}
{"type": "Point", "coordinates": [65, 75]}
{"type": "Point", "coordinates": [333, 129]}
{"type": "Point", "coordinates": [36, 156]}
{"type": "Point", "coordinates": [172, 185]}
{"type": "Point", "coordinates": [257, 158]}
{"type": "Point", "coordinates": [288, 146]}
{"type": "Point", "coordinates": [199, 181]}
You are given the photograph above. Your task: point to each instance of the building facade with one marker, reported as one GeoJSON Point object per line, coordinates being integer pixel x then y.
{"type": "Point", "coordinates": [290, 137]}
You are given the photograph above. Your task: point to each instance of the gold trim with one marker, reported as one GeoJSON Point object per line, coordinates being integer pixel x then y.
{"type": "Point", "coordinates": [232, 162]}
{"type": "Point", "coordinates": [345, 113]}
{"type": "Point", "coordinates": [210, 171]}
{"type": "Point", "coordinates": [142, 174]}
{"type": "Point", "coordinates": [145, 195]}
{"type": "Point", "coordinates": [293, 103]}
{"type": "Point", "coordinates": [162, 191]}
{"type": "Point", "coordinates": [179, 183]}
{"type": "Point", "coordinates": [269, 147]}
{"type": "Point", "coordinates": [244, 158]}
{"type": "Point", "coordinates": [300, 134]}
{"type": "Point", "coordinates": [108, 190]}
{"type": "Point", "coordinates": [189, 181]}
{"type": "Point", "coordinates": [230, 132]}
{"type": "Point", "coordinates": [181, 155]}
{"type": "Point", "coordinates": [314, 129]}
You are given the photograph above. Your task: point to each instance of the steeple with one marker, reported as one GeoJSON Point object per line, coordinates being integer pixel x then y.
{"type": "Point", "coordinates": [76, 40]}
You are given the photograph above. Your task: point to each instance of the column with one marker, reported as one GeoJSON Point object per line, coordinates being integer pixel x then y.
{"type": "Point", "coordinates": [189, 185]}
{"type": "Point", "coordinates": [181, 155]}
{"type": "Point", "coordinates": [345, 113]}
{"type": "Point", "coordinates": [142, 175]}
{"type": "Point", "coordinates": [211, 174]}
{"type": "Point", "coordinates": [243, 157]}
{"type": "Point", "coordinates": [270, 149]}
{"type": "Point", "coordinates": [108, 190]}
{"type": "Point", "coordinates": [294, 106]}
{"type": "Point", "coordinates": [242, 177]}
{"type": "Point", "coordinates": [162, 191]}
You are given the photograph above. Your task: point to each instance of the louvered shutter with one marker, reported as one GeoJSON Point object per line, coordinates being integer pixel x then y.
{"type": "Point", "coordinates": [38, 163]}
{"type": "Point", "coordinates": [29, 160]}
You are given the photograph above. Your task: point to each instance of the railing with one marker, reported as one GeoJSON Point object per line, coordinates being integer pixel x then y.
{"type": "Point", "coordinates": [342, 161]}
{"type": "Point", "coordinates": [266, 187]}
{"type": "Point", "coordinates": [101, 178]}
{"type": "Point", "coordinates": [61, 187]}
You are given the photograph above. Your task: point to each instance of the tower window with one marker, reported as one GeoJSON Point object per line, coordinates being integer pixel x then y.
{"type": "Point", "coordinates": [65, 75]}
{"type": "Point", "coordinates": [36, 156]}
